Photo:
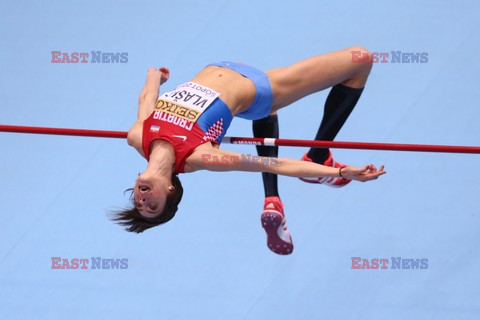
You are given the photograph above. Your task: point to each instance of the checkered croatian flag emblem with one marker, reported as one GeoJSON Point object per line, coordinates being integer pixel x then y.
{"type": "Point", "coordinates": [214, 131]}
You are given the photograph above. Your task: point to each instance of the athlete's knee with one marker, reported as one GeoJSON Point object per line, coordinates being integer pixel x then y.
{"type": "Point", "coordinates": [362, 56]}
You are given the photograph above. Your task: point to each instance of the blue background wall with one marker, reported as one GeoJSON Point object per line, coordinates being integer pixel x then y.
{"type": "Point", "coordinates": [211, 261]}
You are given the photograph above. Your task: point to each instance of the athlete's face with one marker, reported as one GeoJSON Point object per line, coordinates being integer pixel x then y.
{"type": "Point", "coordinates": [150, 196]}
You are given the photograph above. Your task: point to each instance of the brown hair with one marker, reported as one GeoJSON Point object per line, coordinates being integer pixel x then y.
{"type": "Point", "coordinates": [133, 221]}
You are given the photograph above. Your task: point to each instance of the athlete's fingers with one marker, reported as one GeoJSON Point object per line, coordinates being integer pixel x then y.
{"type": "Point", "coordinates": [153, 73]}
{"type": "Point", "coordinates": [374, 173]}
{"type": "Point", "coordinates": [378, 174]}
{"type": "Point", "coordinates": [370, 177]}
{"type": "Point", "coordinates": [365, 173]}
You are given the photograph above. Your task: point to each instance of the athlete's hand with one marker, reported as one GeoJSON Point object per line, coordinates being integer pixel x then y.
{"type": "Point", "coordinates": [365, 173]}
{"type": "Point", "coordinates": [165, 74]}
{"type": "Point", "coordinates": [149, 95]}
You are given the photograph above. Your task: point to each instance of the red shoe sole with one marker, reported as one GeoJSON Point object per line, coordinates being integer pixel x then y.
{"type": "Point", "coordinates": [271, 221]}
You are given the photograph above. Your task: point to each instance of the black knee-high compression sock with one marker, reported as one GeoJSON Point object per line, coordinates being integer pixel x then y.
{"type": "Point", "coordinates": [267, 128]}
{"type": "Point", "coordinates": [339, 104]}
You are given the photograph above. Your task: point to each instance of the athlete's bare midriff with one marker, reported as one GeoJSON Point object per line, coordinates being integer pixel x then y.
{"type": "Point", "coordinates": [235, 90]}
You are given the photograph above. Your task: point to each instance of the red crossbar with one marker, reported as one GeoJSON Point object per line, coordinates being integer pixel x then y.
{"type": "Point", "coordinates": [64, 131]}
{"type": "Point", "coordinates": [259, 141]}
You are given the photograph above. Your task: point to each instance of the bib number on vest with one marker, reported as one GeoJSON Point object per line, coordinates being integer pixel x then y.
{"type": "Point", "coordinates": [188, 101]}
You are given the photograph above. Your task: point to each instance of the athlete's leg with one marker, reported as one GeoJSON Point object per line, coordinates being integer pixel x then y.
{"type": "Point", "coordinates": [273, 219]}
{"type": "Point", "coordinates": [339, 104]}
{"type": "Point", "coordinates": [308, 76]}
{"type": "Point", "coordinates": [294, 82]}
{"type": "Point", "coordinates": [267, 128]}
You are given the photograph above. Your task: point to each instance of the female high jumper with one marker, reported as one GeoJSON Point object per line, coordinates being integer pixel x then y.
{"type": "Point", "coordinates": [180, 132]}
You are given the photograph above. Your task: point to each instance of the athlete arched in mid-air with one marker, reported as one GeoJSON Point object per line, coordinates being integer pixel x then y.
{"type": "Point", "coordinates": [180, 132]}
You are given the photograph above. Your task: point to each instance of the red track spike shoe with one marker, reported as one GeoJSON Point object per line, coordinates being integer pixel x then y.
{"type": "Point", "coordinates": [273, 220]}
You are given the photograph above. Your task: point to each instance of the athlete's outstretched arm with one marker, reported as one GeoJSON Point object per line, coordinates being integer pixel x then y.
{"type": "Point", "coordinates": [146, 104]}
{"type": "Point", "coordinates": [213, 159]}
{"type": "Point", "coordinates": [149, 95]}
